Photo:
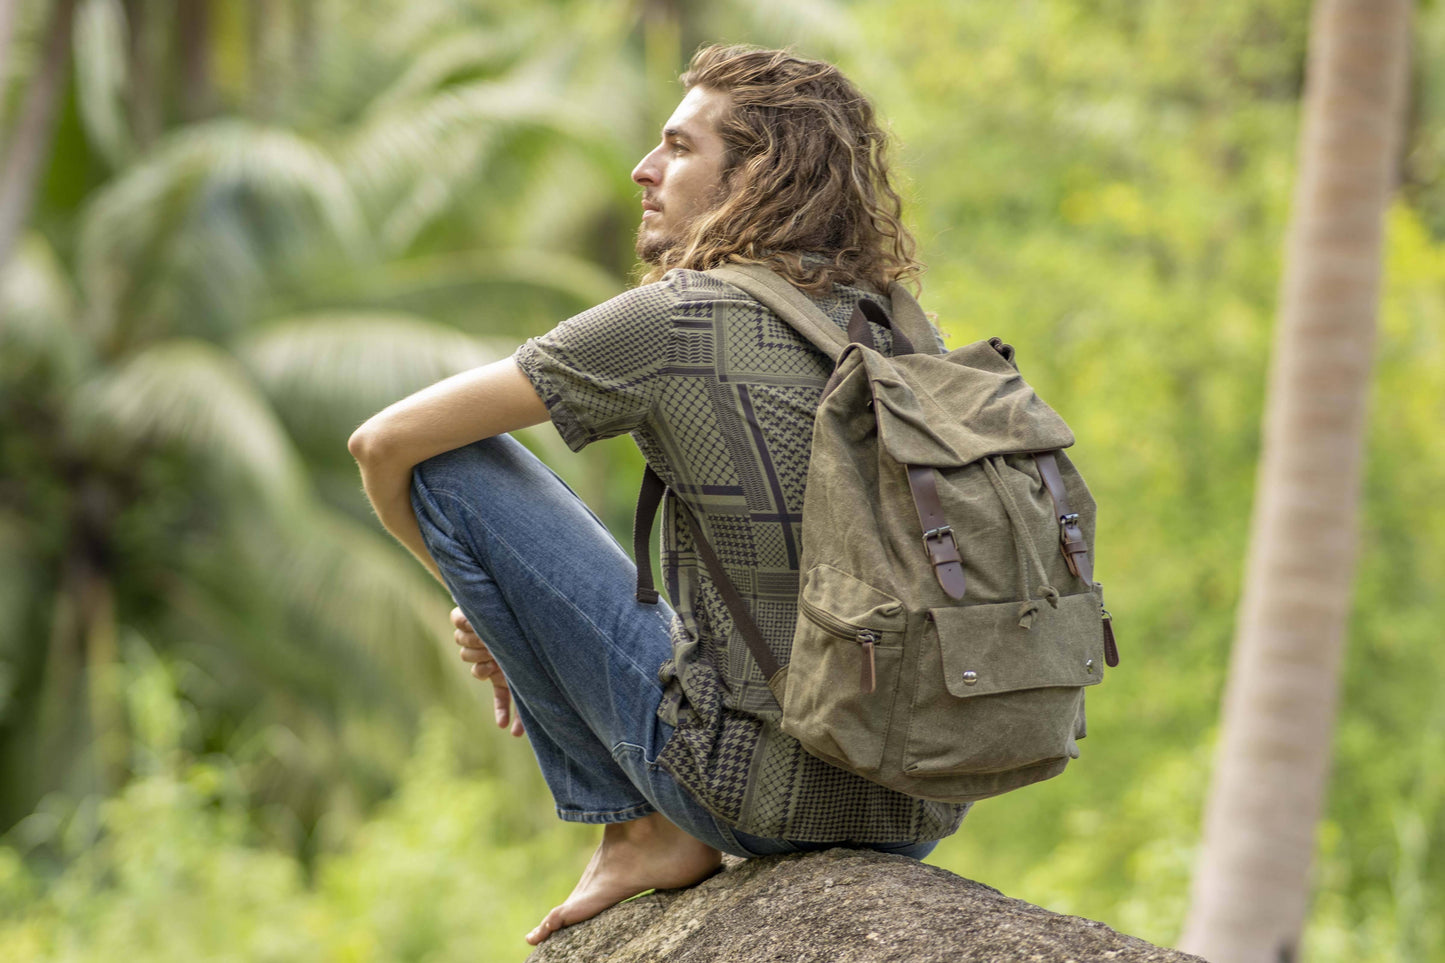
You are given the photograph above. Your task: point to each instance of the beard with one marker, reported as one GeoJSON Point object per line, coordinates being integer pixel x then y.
{"type": "Point", "coordinates": [651, 247]}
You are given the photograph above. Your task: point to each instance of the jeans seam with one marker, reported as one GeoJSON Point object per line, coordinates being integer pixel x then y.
{"type": "Point", "coordinates": [605, 815]}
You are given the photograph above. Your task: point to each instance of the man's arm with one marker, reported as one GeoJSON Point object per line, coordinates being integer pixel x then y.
{"type": "Point", "coordinates": [464, 408]}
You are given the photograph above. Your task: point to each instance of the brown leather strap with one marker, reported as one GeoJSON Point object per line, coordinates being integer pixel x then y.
{"type": "Point", "coordinates": [859, 331]}
{"type": "Point", "coordinates": [649, 496]}
{"type": "Point", "coordinates": [1111, 647]}
{"type": "Point", "coordinates": [937, 535]}
{"type": "Point", "coordinates": [736, 606]}
{"type": "Point", "coordinates": [1071, 537]}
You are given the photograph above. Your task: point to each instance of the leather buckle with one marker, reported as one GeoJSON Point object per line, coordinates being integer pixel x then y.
{"type": "Point", "coordinates": [1073, 541]}
{"type": "Point", "coordinates": [940, 546]}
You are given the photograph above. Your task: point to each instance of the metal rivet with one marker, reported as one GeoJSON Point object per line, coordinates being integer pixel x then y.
{"type": "Point", "coordinates": [970, 677]}
{"type": "Point", "coordinates": [1089, 665]}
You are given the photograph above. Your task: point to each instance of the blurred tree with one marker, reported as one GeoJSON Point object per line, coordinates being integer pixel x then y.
{"type": "Point", "coordinates": [151, 482]}
{"type": "Point", "coordinates": [1251, 888]}
{"type": "Point", "coordinates": [29, 146]}
{"type": "Point", "coordinates": [7, 25]}
{"type": "Point", "coordinates": [193, 34]}
{"type": "Point", "coordinates": [186, 350]}
{"type": "Point", "coordinates": [176, 401]}
{"type": "Point", "coordinates": [1103, 183]}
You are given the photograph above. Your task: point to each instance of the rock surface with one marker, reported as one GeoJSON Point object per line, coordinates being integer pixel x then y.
{"type": "Point", "coordinates": [840, 906]}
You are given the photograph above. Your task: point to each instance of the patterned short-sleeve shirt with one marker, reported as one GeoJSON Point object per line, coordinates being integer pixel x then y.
{"type": "Point", "coordinates": [720, 393]}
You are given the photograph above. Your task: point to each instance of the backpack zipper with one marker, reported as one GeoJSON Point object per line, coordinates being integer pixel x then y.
{"type": "Point", "coordinates": [867, 679]}
{"type": "Point", "coordinates": [1111, 649]}
{"type": "Point", "coordinates": [865, 638]}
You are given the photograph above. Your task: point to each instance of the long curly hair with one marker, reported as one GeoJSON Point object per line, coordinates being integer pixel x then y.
{"type": "Point", "coordinates": [805, 177]}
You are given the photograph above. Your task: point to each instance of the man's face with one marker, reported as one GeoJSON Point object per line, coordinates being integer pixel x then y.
{"type": "Point", "coordinates": [683, 175]}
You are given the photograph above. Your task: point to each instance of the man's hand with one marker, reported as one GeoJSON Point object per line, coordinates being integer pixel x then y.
{"type": "Point", "coordinates": [475, 651]}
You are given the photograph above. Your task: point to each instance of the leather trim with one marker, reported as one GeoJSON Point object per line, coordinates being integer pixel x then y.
{"type": "Point", "coordinates": [1071, 537]}
{"type": "Point", "coordinates": [937, 535]}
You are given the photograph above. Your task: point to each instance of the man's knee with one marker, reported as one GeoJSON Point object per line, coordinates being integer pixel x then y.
{"type": "Point", "coordinates": [478, 475]}
{"type": "Point", "coordinates": [443, 482]}
{"type": "Point", "coordinates": [486, 462]}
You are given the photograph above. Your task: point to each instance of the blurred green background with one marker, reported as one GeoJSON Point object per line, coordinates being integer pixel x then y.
{"type": "Point", "coordinates": [231, 723]}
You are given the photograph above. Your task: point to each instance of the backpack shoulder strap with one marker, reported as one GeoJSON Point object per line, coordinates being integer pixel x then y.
{"type": "Point", "coordinates": [648, 498]}
{"type": "Point", "coordinates": [908, 318]}
{"type": "Point", "coordinates": [911, 328]}
{"type": "Point", "coordinates": [790, 304]}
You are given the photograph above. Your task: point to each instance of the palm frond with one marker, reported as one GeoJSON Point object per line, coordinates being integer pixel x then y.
{"type": "Point", "coordinates": [569, 188]}
{"type": "Point", "coordinates": [193, 395]}
{"type": "Point", "coordinates": [100, 69]}
{"type": "Point", "coordinates": [364, 592]}
{"type": "Point", "coordinates": [467, 51]}
{"type": "Point", "coordinates": [412, 26]}
{"type": "Point", "coordinates": [219, 200]}
{"type": "Point", "coordinates": [396, 147]}
{"type": "Point", "coordinates": [37, 312]}
{"type": "Point", "coordinates": [576, 278]}
{"type": "Point", "coordinates": [336, 368]}
{"type": "Point", "coordinates": [436, 192]}
{"type": "Point", "coordinates": [282, 165]}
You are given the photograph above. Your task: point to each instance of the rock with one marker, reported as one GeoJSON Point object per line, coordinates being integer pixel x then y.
{"type": "Point", "coordinates": [840, 906]}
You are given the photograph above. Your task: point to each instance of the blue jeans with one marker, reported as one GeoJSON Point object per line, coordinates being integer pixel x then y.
{"type": "Point", "coordinates": [552, 594]}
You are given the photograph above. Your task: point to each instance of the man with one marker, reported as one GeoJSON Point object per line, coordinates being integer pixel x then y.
{"type": "Point", "coordinates": [659, 725]}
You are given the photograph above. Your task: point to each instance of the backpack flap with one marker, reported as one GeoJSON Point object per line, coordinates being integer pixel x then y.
{"type": "Point", "coordinates": [950, 410]}
{"type": "Point", "coordinates": [985, 651]}
{"type": "Point", "coordinates": [1017, 694]}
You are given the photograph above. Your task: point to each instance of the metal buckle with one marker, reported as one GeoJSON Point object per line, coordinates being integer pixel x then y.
{"type": "Point", "coordinates": [938, 532]}
{"type": "Point", "coordinates": [1070, 519]}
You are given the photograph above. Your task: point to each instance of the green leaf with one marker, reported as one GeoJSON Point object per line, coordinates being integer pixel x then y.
{"type": "Point", "coordinates": [100, 74]}
{"type": "Point", "coordinates": [217, 211]}
{"type": "Point", "coordinates": [193, 395]}
{"type": "Point", "coordinates": [37, 312]}
{"type": "Point", "coordinates": [339, 367]}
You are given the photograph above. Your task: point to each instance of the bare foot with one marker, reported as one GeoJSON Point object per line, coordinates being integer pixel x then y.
{"type": "Point", "coordinates": [636, 856]}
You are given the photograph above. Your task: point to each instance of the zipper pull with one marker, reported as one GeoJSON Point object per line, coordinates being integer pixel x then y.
{"type": "Point", "coordinates": [867, 679]}
{"type": "Point", "coordinates": [1111, 649]}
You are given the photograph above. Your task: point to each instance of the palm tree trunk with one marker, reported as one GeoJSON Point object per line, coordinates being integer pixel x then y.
{"type": "Point", "coordinates": [7, 26]}
{"type": "Point", "coordinates": [1251, 888]}
{"type": "Point", "coordinates": [193, 34]}
{"type": "Point", "coordinates": [145, 77]}
{"type": "Point", "coordinates": [260, 29]}
{"type": "Point", "coordinates": [30, 145]}
{"type": "Point", "coordinates": [305, 41]}
{"type": "Point", "coordinates": [82, 714]}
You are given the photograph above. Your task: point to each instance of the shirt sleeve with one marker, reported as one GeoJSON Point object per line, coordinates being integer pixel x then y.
{"type": "Point", "coordinates": [600, 372]}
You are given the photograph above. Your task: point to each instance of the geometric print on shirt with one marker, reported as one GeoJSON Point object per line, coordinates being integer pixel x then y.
{"type": "Point", "coordinates": [719, 394]}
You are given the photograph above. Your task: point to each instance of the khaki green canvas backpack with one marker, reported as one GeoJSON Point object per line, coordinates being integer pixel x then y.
{"type": "Point", "coordinates": [948, 619]}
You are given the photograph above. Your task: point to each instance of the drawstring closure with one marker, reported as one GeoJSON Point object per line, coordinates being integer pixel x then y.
{"type": "Point", "coordinates": [1026, 549]}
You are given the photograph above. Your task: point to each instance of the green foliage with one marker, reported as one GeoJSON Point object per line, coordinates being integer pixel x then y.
{"type": "Point", "coordinates": [198, 319]}
{"type": "Point", "coordinates": [170, 868]}
{"type": "Point", "coordinates": [1110, 194]}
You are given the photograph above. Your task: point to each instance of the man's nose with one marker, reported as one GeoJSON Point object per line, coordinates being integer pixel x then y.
{"type": "Point", "coordinates": [646, 171]}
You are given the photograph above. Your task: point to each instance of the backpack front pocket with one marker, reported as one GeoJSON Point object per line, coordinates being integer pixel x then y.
{"type": "Point", "coordinates": [993, 696]}
{"type": "Point", "coordinates": [843, 676]}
